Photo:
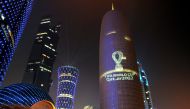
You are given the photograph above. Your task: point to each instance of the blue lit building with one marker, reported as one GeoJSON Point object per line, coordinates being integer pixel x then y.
{"type": "Point", "coordinates": [67, 81]}
{"type": "Point", "coordinates": [22, 94]}
{"type": "Point", "coordinates": [13, 18]}
{"type": "Point", "coordinates": [145, 88]}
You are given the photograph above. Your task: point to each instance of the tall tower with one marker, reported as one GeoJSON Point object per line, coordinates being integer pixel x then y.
{"type": "Point", "coordinates": [120, 87]}
{"type": "Point", "coordinates": [13, 18]}
{"type": "Point", "coordinates": [67, 81]}
{"type": "Point", "coordinates": [145, 88]}
{"type": "Point", "coordinates": [40, 63]}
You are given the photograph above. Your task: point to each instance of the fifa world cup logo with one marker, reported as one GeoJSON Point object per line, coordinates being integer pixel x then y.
{"type": "Point", "coordinates": [117, 57]}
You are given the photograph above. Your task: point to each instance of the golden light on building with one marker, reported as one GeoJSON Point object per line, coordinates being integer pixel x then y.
{"type": "Point", "coordinates": [43, 105]}
{"type": "Point", "coordinates": [88, 107]}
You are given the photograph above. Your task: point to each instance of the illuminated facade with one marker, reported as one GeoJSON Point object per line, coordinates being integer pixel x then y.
{"type": "Point", "coordinates": [43, 54]}
{"type": "Point", "coordinates": [13, 18]}
{"type": "Point", "coordinates": [23, 95]}
{"type": "Point", "coordinates": [145, 88]}
{"type": "Point", "coordinates": [120, 87]}
{"type": "Point", "coordinates": [67, 81]}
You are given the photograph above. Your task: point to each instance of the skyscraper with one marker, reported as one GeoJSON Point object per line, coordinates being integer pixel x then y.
{"type": "Point", "coordinates": [40, 63]}
{"type": "Point", "coordinates": [120, 87]}
{"type": "Point", "coordinates": [13, 18]}
{"type": "Point", "coordinates": [145, 88]}
{"type": "Point", "coordinates": [67, 81]}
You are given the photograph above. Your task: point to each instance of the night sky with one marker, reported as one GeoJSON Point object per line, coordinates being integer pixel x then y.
{"type": "Point", "coordinates": [159, 28]}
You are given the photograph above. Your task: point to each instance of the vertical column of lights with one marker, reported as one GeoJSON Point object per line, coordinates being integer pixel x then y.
{"type": "Point", "coordinates": [145, 87]}
{"type": "Point", "coordinates": [67, 81]}
{"type": "Point", "coordinates": [13, 18]}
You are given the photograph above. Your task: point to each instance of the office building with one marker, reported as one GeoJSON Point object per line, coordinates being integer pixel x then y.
{"type": "Point", "coordinates": [145, 88]}
{"type": "Point", "coordinates": [120, 87]}
{"type": "Point", "coordinates": [67, 82]}
{"type": "Point", "coordinates": [43, 54]}
{"type": "Point", "coordinates": [13, 18]}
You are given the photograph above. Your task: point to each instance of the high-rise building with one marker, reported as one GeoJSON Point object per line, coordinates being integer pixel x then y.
{"type": "Point", "coordinates": [120, 87]}
{"type": "Point", "coordinates": [145, 88]}
{"type": "Point", "coordinates": [40, 63]}
{"type": "Point", "coordinates": [13, 18]}
{"type": "Point", "coordinates": [22, 94]}
{"type": "Point", "coordinates": [67, 82]}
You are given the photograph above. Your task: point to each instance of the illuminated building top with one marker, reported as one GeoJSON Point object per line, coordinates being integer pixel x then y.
{"type": "Point", "coordinates": [113, 8]}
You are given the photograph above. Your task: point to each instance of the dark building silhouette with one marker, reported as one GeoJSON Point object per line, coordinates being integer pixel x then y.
{"type": "Point", "coordinates": [22, 94]}
{"type": "Point", "coordinates": [145, 88]}
{"type": "Point", "coordinates": [67, 83]}
{"type": "Point", "coordinates": [120, 87]}
{"type": "Point", "coordinates": [40, 64]}
{"type": "Point", "coordinates": [13, 18]}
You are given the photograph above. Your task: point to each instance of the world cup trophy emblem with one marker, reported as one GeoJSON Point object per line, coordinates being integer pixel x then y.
{"type": "Point", "coordinates": [117, 57]}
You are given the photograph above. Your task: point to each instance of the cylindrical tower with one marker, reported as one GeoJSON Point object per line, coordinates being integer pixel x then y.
{"type": "Point", "coordinates": [67, 81]}
{"type": "Point", "coordinates": [120, 87]}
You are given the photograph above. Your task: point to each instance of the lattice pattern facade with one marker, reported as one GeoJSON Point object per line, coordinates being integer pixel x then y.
{"type": "Point", "coordinates": [13, 18]}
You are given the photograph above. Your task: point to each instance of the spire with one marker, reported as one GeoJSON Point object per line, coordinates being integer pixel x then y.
{"type": "Point", "coordinates": [113, 8]}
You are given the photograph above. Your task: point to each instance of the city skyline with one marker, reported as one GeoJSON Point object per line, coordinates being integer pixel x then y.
{"type": "Point", "coordinates": [157, 34]}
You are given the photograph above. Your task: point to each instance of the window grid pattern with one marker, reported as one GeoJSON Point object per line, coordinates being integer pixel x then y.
{"type": "Point", "coordinates": [13, 18]}
{"type": "Point", "coordinates": [67, 81]}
